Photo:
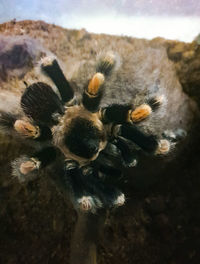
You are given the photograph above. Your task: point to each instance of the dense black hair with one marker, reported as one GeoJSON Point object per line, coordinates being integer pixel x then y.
{"type": "Point", "coordinates": [83, 138]}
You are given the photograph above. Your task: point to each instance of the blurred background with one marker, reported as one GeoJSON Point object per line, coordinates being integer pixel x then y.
{"type": "Point", "coordinates": [172, 19]}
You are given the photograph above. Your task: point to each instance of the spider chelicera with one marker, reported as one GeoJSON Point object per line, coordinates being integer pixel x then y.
{"type": "Point", "coordinates": [94, 143]}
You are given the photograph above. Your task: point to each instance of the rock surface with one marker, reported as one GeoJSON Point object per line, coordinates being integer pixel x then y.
{"type": "Point", "coordinates": [160, 221]}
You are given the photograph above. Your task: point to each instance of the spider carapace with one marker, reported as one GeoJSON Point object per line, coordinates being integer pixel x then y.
{"type": "Point", "coordinates": [94, 143]}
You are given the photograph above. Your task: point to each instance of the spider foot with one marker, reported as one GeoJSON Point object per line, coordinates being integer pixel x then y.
{"type": "Point", "coordinates": [163, 147]}
{"type": "Point", "coordinates": [156, 102]}
{"type": "Point", "coordinates": [132, 162]}
{"type": "Point", "coordinates": [26, 129]}
{"type": "Point", "coordinates": [89, 203]}
{"type": "Point", "coordinates": [107, 63]}
{"type": "Point", "coordinates": [47, 61]}
{"type": "Point", "coordinates": [120, 200]}
{"type": "Point", "coordinates": [25, 168]}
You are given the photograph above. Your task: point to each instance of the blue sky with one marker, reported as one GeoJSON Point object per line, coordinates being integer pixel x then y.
{"type": "Point", "coordinates": [174, 19]}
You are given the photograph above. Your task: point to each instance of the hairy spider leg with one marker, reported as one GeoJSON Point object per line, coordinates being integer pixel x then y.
{"type": "Point", "coordinates": [94, 90]}
{"type": "Point", "coordinates": [107, 194]}
{"type": "Point", "coordinates": [143, 111]}
{"type": "Point", "coordinates": [51, 67]}
{"type": "Point", "coordinates": [129, 155]}
{"type": "Point", "coordinates": [109, 164]}
{"type": "Point", "coordinates": [32, 131]}
{"type": "Point", "coordinates": [39, 102]}
{"type": "Point", "coordinates": [27, 168]}
{"type": "Point", "coordinates": [93, 93]}
{"type": "Point", "coordinates": [12, 124]}
{"type": "Point", "coordinates": [122, 113]}
{"type": "Point", "coordinates": [120, 149]}
{"type": "Point", "coordinates": [87, 191]}
{"type": "Point", "coordinates": [80, 197]}
{"type": "Point", "coordinates": [115, 113]}
{"type": "Point", "coordinates": [148, 143]}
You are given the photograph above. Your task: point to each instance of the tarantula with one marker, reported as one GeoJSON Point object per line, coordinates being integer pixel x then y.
{"type": "Point", "coordinates": [93, 142]}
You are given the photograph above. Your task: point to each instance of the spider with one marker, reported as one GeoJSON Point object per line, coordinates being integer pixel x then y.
{"type": "Point", "coordinates": [93, 143]}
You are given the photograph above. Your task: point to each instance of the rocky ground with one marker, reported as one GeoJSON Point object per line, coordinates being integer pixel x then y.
{"type": "Point", "coordinates": [160, 220]}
